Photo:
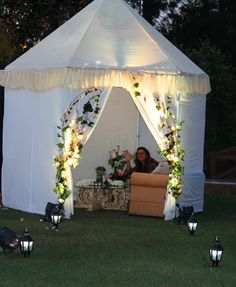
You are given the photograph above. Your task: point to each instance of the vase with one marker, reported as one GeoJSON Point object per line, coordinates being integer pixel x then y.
{"type": "Point", "coordinates": [99, 176]}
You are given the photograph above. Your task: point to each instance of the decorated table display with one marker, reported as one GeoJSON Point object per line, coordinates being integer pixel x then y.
{"type": "Point", "coordinates": [111, 194]}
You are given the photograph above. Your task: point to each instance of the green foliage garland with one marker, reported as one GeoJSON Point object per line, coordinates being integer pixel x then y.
{"type": "Point", "coordinates": [173, 152]}
{"type": "Point", "coordinates": [69, 153]}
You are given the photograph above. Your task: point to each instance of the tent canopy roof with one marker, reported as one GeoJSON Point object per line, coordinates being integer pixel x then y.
{"type": "Point", "coordinates": [104, 44]}
{"type": "Point", "coordinates": [107, 34]}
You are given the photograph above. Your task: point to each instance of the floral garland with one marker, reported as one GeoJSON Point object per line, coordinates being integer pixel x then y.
{"type": "Point", "coordinates": [70, 134]}
{"type": "Point", "coordinates": [173, 152]}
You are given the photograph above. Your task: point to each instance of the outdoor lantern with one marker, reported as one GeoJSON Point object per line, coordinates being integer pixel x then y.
{"type": "Point", "coordinates": [56, 218]}
{"type": "Point", "coordinates": [192, 224]}
{"type": "Point", "coordinates": [26, 243]}
{"type": "Point", "coordinates": [216, 253]}
{"type": "Point", "coordinates": [9, 241]}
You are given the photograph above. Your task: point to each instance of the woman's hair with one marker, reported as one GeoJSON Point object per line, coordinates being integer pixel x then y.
{"type": "Point", "coordinates": [137, 162]}
{"type": "Point", "coordinates": [145, 150]}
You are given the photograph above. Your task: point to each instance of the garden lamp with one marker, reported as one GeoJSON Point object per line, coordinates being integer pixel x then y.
{"type": "Point", "coordinates": [192, 224]}
{"type": "Point", "coordinates": [26, 243]}
{"type": "Point", "coordinates": [56, 218]}
{"type": "Point", "coordinates": [216, 252]}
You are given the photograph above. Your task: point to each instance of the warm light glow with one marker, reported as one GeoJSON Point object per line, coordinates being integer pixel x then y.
{"type": "Point", "coordinates": [216, 255]}
{"type": "Point", "coordinates": [56, 219]}
{"type": "Point", "coordinates": [71, 134]}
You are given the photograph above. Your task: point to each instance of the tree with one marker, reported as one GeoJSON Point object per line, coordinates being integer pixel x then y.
{"type": "Point", "coordinates": [221, 102]}
{"type": "Point", "coordinates": [205, 30]}
{"type": "Point", "coordinates": [28, 22]}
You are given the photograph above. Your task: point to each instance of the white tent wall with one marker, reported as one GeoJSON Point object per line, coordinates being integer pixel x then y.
{"type": "Point", "coordinates": [116, 126]}
{"type": "Point", "coordinates": [146, 139]}
{"type": "Point", "coordinates": [29, 143]}
{"type": "Point", "coordinates": [191, 109]}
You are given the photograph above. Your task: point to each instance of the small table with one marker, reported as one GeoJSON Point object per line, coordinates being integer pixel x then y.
{"type": "Point", "coordinates": [96, 196]}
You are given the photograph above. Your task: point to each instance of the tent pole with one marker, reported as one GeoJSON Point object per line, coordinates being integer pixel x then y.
{"type": "Point", "coordinates": [137, 129]}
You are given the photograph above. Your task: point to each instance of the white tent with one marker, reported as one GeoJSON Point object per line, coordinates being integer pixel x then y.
{"type": "Point", "coordinates": [105, 45]}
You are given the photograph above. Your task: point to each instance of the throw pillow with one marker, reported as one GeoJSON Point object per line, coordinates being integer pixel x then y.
{"type": "Point", "coordinates": [162, 168]}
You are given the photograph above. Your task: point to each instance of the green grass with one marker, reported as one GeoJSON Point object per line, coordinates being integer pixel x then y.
{"type": "Point", "coordinates": [111, 248]}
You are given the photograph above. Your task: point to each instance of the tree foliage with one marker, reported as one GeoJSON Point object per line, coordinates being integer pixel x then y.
{"type": "Point", "coordinates": [27, 22]}
{"type": "Point", "coordinates": [221, 102]}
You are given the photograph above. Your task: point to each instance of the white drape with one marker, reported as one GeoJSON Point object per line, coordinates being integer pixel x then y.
{"type": "Point", "coordinates": [77, 78]}
{"type": "Point", "coordinates": [191, 110]}
{"type": "Point", "coordinates": [117, 126]}
{"type": "Point", "coordinates": [153, 119]}
{"type": "Point", "coordinates": [69, 204]}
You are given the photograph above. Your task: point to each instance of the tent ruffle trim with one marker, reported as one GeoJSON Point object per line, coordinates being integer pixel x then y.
{"type": "Point", "coordinates": [169, 84]}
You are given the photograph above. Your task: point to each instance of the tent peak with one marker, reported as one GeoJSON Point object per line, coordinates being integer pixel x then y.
{"type": "Point", "coordinates": [106, 34]}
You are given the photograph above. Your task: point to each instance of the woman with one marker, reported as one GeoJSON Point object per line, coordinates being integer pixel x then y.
{"type": "Point", "coordinates": [143, 162]}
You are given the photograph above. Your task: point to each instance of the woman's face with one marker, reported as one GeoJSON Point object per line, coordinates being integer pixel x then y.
{"type": "Point", "coordinates": [141, 155]}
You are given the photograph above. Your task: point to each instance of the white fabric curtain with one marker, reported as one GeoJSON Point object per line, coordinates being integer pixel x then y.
{"type": "Point", "coordinates": [69, 204]}
{"type": "Point", "coordinates": [77, 78]}
{"type": "Point", "coordinates": [116, 126]}
{"type": "Point", "coordinates": [191, 110]}
{"type": "Point", "coordinates": [153, 119]}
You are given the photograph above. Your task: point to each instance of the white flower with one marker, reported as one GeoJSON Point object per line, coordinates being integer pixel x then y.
{"type": "Point", "coordinates": [70, 161]}
{"type": "Point", "coordinates": [63, 174]}
{"type": "Point", "coordinates": [174, 181]}
{"type": "Point", "coordinates": [72, 123]}
{"type": "Point", "coordinates": [61, 200]}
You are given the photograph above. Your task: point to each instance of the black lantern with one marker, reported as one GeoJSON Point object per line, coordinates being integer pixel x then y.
{"type": "Point", "coordinates": [192, 224]}
{"type": "Point", "coordinates": [26, 243]}
{"type": "Point", "coordinates": [9, 241]}
{"type": "Point", "coordinates": [56, 218]}
{"type": "Point", "coordinates": [216, 252]}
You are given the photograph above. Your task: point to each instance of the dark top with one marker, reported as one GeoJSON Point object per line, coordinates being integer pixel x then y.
{"type": "Point", "coordinates": [149, 166]}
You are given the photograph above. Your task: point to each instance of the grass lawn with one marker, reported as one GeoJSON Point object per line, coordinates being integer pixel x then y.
{"type": "Point", "coordinates": [111, 248]}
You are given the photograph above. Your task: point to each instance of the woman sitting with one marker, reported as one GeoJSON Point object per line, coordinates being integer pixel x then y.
{"type": "Point", "coordinates": [143, 162]}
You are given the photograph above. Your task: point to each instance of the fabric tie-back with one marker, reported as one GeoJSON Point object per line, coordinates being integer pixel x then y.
{"type": "Point", "coordinates": [168, 84]}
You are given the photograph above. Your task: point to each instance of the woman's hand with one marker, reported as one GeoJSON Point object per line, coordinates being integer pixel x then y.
{"type": "Point", "coordinates": [127, 155]}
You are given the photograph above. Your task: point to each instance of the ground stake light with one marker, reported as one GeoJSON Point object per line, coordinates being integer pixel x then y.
{"type": "Point", "coordinates": [192, 224]}
{"type": "Point", "coordinates": [56, 219]}
{"type": "Point", "coordinates": [26, 243]}
{"type": "Point", "coordinates": [216, 252]}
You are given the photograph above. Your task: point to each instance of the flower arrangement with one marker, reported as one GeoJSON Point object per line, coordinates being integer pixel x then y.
{"type": "Point", "coordinates": [117, 162]}
{"type": "Point", "coordinates": [172, 150]}
{"type": "Point", "coordinates": [70, 134]}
